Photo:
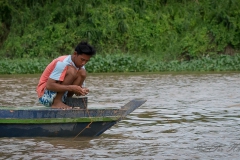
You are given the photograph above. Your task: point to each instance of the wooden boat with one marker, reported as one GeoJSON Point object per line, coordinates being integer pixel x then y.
{"type": "Point", "coordinates": [48, 122]}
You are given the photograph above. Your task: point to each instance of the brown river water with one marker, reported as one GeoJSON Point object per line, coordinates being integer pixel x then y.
{"type": "Point", "coordinates": [186, 116]}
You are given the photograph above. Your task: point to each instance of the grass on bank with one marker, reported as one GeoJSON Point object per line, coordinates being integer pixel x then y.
{"type": "Point", "coordinates": [127, 63]}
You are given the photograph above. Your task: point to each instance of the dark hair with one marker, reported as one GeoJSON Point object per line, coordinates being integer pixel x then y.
{"type": "Point", "coordinates": [85, 48]}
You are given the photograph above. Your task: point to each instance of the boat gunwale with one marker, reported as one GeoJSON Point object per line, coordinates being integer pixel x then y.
{"type": "Point", "coordinates": [58, 120]}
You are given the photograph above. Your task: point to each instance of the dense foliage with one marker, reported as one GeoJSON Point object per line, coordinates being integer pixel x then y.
{"type": "Point", "coordinates": [160, 29]}
{"type": "Point", "coordinates": [127, 63]}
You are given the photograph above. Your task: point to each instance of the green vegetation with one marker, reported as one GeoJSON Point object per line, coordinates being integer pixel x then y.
{"type": "Point", "coordinates": [130, 35]}
{"type": "Point", "coordinates": [127, 63]}
{"type": "Point", "coordinates": [23, 66]}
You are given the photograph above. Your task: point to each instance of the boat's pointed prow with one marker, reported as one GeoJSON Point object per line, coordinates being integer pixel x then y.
{"type": "Point", "coordinates": [132, 105]}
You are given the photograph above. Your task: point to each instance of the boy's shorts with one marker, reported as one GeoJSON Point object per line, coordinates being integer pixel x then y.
{"type": "Point", "coordinates": [48, 97]}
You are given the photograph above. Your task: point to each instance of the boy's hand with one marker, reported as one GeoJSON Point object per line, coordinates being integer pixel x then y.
{"type": "Point", "coordinates": [81, 91]}
{"type": "Point", "coordinates": [86, 90]}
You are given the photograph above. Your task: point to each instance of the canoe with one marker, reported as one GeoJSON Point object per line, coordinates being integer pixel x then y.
{"type": "Point", "coordinates": [75, 122]}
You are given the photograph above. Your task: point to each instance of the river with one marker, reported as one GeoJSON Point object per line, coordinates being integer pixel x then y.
{"type": "Point", "coordinates": [186, 116]}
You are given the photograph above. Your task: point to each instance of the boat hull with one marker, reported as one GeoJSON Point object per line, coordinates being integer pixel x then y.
{"type": "Point", "coordinates": [55, 130]}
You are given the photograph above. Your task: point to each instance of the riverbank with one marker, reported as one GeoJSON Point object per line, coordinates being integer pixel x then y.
{"type": "Point", "coordinates": [127, 63]}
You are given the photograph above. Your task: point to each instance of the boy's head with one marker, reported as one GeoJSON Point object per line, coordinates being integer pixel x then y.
{"type": "Point", "coordinates": [85, 48]}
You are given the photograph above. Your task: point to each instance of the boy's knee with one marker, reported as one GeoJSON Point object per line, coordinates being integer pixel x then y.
{"type": "Point", "coordinates": [71, 71]}
{"type": "Point", "coordinates": [82, 73]}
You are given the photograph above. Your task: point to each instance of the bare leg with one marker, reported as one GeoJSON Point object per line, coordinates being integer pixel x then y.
{"type": "Point", "coordinates": [81, 76]}
{"type": "Point", "coordinates": [69, 79]}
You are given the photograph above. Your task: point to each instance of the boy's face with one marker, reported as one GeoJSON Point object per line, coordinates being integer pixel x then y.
{"type": "Point", "coordinates": [80, 60]}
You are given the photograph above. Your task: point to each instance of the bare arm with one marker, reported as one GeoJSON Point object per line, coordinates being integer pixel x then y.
{"type": "Point", "coordinates": [56, 86]}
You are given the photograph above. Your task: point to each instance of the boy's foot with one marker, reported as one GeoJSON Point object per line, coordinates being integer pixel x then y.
{"type": "Point", "coordinates": [60, 105]}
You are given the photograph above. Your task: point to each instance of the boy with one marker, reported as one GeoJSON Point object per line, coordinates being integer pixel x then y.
{"type": "Point", "coordinates": [64, 77]}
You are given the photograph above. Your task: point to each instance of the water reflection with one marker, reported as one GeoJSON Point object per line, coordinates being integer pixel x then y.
{"type": "Point", "coordinates": [186, 116]}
